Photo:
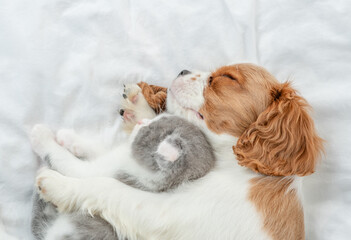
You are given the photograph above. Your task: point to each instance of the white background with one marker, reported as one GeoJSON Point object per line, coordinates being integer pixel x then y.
{"type": "Point", "coordinates": [63, 62]}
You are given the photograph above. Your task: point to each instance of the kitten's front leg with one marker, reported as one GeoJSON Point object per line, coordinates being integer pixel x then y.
{"type": "Point", "coordinates": [44, 144]}
{"type": "Point", "coordinates": [59, 158]}
{"type": "Point", "coordinates": [79, 146]}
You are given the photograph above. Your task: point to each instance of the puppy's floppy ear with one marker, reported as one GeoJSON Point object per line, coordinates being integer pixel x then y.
{"type": "Point", "coordinates": [155, 96]}
{"type": "Point", "coordinates": [283, 140]}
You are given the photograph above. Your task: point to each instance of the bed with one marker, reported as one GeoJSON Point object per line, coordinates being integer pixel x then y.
{"type": "Point", "coordinates": [63, 63]}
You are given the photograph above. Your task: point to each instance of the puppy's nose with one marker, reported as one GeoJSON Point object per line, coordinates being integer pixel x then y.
{"type": "Point", "coordinates": [183, 73]}
{"type": "Point", "coordinates": [121, 112]}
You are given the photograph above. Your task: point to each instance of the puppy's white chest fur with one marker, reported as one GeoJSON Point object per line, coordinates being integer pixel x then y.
{"type": "Point", "coordinates": [224, 192]}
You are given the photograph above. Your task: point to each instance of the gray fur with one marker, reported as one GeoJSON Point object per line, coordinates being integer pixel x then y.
{"type": "Point", "coordinates": [89, 228]}
{"type": "Point", "coordinates": [47, 160]}
{"type": "Point", "coordinates": [43, 215]}
{"type": "Point", "coordinates": [196, 158]}
{"type": "Point", "coordinates": [86, 227]}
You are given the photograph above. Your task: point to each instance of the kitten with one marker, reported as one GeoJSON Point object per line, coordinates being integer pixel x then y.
{"type": "Point", "coordinates": [160, 155]}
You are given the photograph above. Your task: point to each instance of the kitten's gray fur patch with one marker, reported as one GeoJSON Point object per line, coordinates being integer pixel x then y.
{"type": "Point", "coordinates": [86, 227]}
{"type": "Point", "coordinates": [195, 152]}
{"type": "Point", "coordinates": [195, 159]}
{"type": "Point", "coordinates": [44, 214]}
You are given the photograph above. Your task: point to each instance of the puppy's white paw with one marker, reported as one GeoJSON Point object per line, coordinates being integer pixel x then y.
{"type": "Point", "coordinates": [47, 180]}
{"type": "Point", "coordinates": [52, 186]}
{"type": "Point", "coordinates": [68, 139]}
{"type": "Point", "coordinates": [40, 137]}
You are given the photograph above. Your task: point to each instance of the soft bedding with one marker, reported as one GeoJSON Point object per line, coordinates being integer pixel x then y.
{"type": "Point", "coordinates": [63, 63]}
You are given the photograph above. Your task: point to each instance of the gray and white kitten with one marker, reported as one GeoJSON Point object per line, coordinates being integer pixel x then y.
{"type": "Point", "coordinates": [172, 150]}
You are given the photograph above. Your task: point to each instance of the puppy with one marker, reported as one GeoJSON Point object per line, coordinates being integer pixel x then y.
{"type": "Point", "coordinates": [241, 108]}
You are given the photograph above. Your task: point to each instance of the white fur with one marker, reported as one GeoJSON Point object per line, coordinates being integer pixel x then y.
{"type": "Point", "coordinates": [213, 207]}
{"type": "Point", "coordinates": [186, 91]}
{"type": "Point", "coordinates": [168, 151]}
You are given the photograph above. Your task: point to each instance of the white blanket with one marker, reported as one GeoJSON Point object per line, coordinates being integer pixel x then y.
{"type": "Point", "coordinates": [63, 63]}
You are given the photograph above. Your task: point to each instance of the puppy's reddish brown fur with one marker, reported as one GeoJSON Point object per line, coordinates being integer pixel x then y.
{"type": "Point", "coordinates": [282, 141]}
{"type": "Point", "coordinates": [155, 96]}
{"type": "Point", "coordinates": [280, 208]}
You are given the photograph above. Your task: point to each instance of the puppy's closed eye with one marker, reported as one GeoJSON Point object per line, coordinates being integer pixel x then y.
{"type": "Point", "coordinates": [229, 76]}
{"type": "Point", "coordinates": [210, 79]}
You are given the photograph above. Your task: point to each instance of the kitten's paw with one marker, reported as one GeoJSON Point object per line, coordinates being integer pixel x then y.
{"type": "Point", "coordinates": [68, 139]}
{"type": "Point", "coordinates": [134, 107]}
{"type": "Point", "coordinates": [128, 115]}
{"type": "Point", "coordinates": [131, 95]}
{"type": "Point", "coordinates": [40, 137]}
{"type": "Point", "coordinates": [131, 92]}
{"type": "Point", "coordinates": [52, 186]}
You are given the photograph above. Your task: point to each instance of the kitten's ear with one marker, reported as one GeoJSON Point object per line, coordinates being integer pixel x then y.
{"type": "Point", "coordinates": [168, 151]}
{"type": "Point", "coordinates": [155, 96]}
{"type": "Point", "coordinates": [283, 140]}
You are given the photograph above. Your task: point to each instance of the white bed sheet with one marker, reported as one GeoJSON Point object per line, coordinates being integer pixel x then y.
{"type": "Point", "coordinates": [63, 63]}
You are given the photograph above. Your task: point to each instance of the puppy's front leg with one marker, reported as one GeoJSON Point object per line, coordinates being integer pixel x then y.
{"type": "Point", "coordinates": [133, 212]}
